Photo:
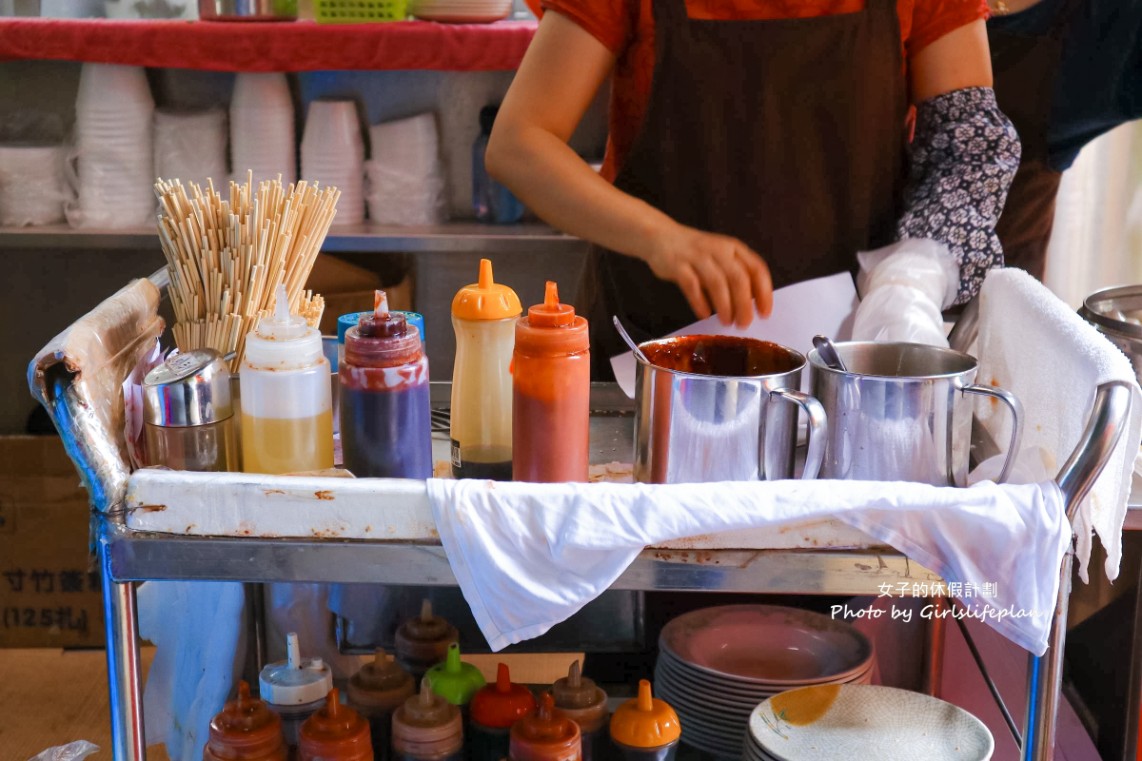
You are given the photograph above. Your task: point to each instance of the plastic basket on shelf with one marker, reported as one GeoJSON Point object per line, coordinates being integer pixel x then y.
{"type": "Point", "coordinates": [359, 11]}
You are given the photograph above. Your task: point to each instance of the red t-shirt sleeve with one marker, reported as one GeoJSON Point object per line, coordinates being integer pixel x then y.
{"type": "Point", "coordinates": [932, 19]}
{"type": "Point", "coordinates": [611, 22]}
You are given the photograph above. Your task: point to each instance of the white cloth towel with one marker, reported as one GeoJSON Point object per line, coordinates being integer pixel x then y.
{"type": "Point", "coordinates": [528, 556]}
{"type": "Point", "coordinates": [1039, 349]}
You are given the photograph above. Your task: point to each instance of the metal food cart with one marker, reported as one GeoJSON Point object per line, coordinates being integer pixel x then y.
{"type": "Point", "coordinates": [78, 379]}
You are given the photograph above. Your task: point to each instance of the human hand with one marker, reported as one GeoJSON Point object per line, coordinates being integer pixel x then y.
{"type": "Point", "coordinates": [716, 273]}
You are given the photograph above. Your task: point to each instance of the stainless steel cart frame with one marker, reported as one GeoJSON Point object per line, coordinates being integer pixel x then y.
{"type": "Point", "coordinates": [77, 378]}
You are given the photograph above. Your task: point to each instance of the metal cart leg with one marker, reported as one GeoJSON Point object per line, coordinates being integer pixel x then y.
{"type": "Point", "coordinates": [934, 633]}
{"type": "Point", "coordinates": [1045, 680]}
{"type": "Point", "coordinates": [124, 679]}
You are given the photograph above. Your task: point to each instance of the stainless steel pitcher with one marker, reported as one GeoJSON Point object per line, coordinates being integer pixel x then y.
{"type": "Point", "coordinates": [692, 427]}
{"type": "Point", "coordinates": [902, 412]}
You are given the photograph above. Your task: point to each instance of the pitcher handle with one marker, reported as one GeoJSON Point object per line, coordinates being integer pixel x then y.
{"type": "Point", "coordinates": [1016, 408]}
{"type": "Point", "coordinates": [816, 434]}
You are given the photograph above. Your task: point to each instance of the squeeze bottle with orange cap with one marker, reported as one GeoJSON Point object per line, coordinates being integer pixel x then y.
{"type": "Point", "coordinates": [295, 689]}
{"type": "Point", "coordinates": [484, 316]}
{"type": "Point", "coordinates": [493, 711]}
{"type": "Point", "coordinates": [545, 736]}
{"type": "Point", "coordinates": [427, 728]}
{"type": "Point", "coordinates": [245, 730]}
{"type": "Point", "coordinates": [551, 393]}
{"type": "Point", "coordinates": [422, 642]}
{"type": "Point", "coordinates": [386, 427]}
{"type": "Point", "coordinates": [646, 728]}
{"type": "Point", "coordinates": [582, 701]}
{"type": "Point", "coordinates": [335, 733]}
{"type": "Point", "coordinates": [287, 399]}
{"type": "Point", "coordinates": [375, 691]}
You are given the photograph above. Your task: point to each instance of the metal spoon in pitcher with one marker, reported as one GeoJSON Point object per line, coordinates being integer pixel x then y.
{"type": "Point", "coordinates": [630, 341]}
{"type": "Point", "coordinates": [829, 353]}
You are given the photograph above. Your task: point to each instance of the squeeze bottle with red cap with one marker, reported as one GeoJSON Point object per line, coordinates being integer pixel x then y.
{"type": "Point", "coordinates": [579, 699]}
{"type": "Point", "coordinates": [422, 642]}
{"type": "Point", "coordinates": [646, 728]}
{"type": "Point", "coordinates": [386, 427]}
{"type": "Point", "coordinates": [287, 399]}
{"type": "Point", "coordinates": [551, 393]}
{"type": "Point", "coordinates": [493, 711]}
{"type": "Point", "coordinates": [544, 736]}
{"type": "Point", "coordinates": [483, 315]}
{"type": "Point", "coordinates": [454, 680]}
{"type": "Point", "coordinates": [375, 691]}
{"type": "Point", "coordinates": [427, 728]}
{"type": "Point", "coordinates": [335, 733]}
{"type": "Point", "coordinates": [245, 730]}
{"type": "Point", "coordinates": [295, 688]}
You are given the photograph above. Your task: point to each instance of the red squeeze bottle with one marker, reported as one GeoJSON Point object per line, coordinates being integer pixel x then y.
{"type": "Point", "coordinates": [493, 710]}
{"type": "Point", "coordinates": [335, 733]}
{"type": "Point", "coordinates": [544, 737]}
{"type": "Point", "coordinates": [551, 402]}
{"type": "Point", "coordinates": [245, 730]}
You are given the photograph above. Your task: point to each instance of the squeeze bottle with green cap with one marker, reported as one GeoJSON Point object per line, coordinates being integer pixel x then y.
{"type": "Point", "coordinates": [551, 386]}
{"type": "Point", "coordinates": [335, 732]}
{"type": "Point", "coordinates": [454, 680]}
{"type": "Point", "coordinates": [427, 728]}
{"type": "Point", "coordinates": [245, 730]}
{"type": "Point", "coordinates": [379, 688]}
{"type": "Point", "coordinates": [646, 728]}
{"type": "Point", "coordinates": [582, 701]}
{"type": "Point", "coordinates": [483, 315]}
{"type": "Point", "coordinates": [295, 689]}
{"type": "Point", "coordinates": [493, 711]}
{"type": "Point", "coordinates": [287, 399]}
{"type": "Point", "coordinates": [545, 736]}
{"type": "Point", "coordinates": [422, 642]}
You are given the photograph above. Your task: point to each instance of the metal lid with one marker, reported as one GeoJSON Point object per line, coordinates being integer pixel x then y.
{"type": "Point", "coordinates": [1115, 310]}
{"type": "Point", "coordinates": [190, 388]}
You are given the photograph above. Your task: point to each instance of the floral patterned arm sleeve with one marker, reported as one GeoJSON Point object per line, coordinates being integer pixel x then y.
{"type": "Point", "coordinates": [964, 156]}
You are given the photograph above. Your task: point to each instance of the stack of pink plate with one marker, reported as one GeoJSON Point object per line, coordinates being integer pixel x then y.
{"type": "Point", "coordinates": [716, 665]}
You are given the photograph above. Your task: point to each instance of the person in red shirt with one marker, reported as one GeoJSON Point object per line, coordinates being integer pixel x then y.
{"type": "Point", "coordinates": [754, 144]}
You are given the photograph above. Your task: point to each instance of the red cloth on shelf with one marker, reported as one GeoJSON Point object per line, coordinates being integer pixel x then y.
{"type": "Point", "coordinates": [270, 46]}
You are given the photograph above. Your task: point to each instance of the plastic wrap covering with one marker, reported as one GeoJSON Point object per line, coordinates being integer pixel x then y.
{"type": "Point", "coordinates": [78, 377]}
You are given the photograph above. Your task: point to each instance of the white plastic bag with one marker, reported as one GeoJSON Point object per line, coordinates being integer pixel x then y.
{"type": "Point", "coordinates": [904, 287]}
{"type": "Point", "coordinates": [76, 751]}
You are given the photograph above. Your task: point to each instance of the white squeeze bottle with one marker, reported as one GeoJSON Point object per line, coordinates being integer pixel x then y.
{"type": "Point", "coordinates": [287, 404]}
{"type": "Point", "coordinates": [484, 315]}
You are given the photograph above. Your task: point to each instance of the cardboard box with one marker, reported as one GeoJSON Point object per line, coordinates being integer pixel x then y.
{"type": "Point", "coordinates": [49, 585]}
{"type": "Point", "coordinates": [348, 288]}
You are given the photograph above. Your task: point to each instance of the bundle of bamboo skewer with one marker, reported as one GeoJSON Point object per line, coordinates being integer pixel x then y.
{"type": "Point", "coordinates": [226, 256]}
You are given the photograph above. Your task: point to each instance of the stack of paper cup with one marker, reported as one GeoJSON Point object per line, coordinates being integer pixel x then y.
{"type": "Point", "coordinates": [31, 184]}
{"type": "Point", "coordinates": [333, 153]}
{"type": "Point", "coordinates": [405, 175]}
{"type": "Point", "coordinates": [114, 172]}
{"type": "Point", "coordinates": [191, 146]}
{"type": "Point", "coordinates": [262, 129]}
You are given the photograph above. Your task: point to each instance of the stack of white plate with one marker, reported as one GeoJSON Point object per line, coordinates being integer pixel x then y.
{"type": "Point", "coordinates": [844, 722]}
{"type": "Point", "coordinates": [716, 664]}
{"type": "Point", "coordinates": [405, 175]}
{"type": "Point", "coordinates": [461, 11]}
{"type": "Point", "coordinates": [333, 153]}
{"type": "Point", "coordinates": [191, 146]}
{"type": "Point", "coordinates": [113, 175]}
{"type": "Point", "coordinates": [261, 128]}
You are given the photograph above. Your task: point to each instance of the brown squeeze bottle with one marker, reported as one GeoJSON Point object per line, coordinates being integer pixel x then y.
{"type": "Point", "coordinates": [335, 733]}
{"type": "Point", "coordinates": [551, 393]}
{"type": "Point", "coordinates": [582, 701]}
{"type": "Point", "coordinates": [494, 709]}
{"type": "Point", "coordinates": [422, 642]}
{"type": "Point", "coordinates": [379, 688]}
{"type": "Point", "coordinates": [545, 737]}
{"type": "Point", "coordinates": [427, 728]}
{"type": "Point", "coordinates": [245, 730]}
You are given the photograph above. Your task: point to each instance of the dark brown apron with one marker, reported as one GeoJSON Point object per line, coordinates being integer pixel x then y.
{"type": "Point", "coordinates": [788, 134]}
{"type": "Point", "coordinates": [1025, 70]}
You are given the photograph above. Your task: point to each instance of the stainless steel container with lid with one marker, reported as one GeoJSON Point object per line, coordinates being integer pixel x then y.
{"type": "Point", "coordinates": [1117, 314]}
{"type": "Point", "coordinates": [247, 10]}
{"type": "Point", "coordinates": [189, 413]}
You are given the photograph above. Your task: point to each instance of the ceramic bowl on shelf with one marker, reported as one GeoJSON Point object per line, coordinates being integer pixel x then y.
{"type": "Point", "coordinates": [461, 11]}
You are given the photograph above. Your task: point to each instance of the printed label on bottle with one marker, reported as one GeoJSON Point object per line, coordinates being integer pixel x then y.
{"type": "Point", "coordinates": [456, 462]}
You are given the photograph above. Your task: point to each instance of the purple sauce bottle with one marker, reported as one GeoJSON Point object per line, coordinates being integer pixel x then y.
{"type": "Point", "coordinates": [386, 430]}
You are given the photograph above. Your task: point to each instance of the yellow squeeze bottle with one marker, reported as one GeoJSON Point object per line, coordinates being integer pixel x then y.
{"type": "Point", "coordinates": [287, 401]}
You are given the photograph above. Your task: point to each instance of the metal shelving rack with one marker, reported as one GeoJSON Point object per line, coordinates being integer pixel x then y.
{"type": "Point", "coordinates": [71, 379]}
